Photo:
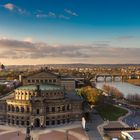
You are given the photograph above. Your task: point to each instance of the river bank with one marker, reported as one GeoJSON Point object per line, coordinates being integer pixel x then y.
{"type": "Point", "coordinates": [124, 87]}
{"type": "Point", "coordinates": [135, 82]}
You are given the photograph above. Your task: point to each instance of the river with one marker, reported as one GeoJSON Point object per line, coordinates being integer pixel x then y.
{"type": "Point", "coordinates": [125, 88]}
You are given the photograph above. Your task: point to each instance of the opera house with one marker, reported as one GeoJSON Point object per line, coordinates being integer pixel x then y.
{"type": "Point", "coordinates": [43, 100]}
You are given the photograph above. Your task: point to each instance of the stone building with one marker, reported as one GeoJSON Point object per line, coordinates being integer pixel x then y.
{"type": "Point", "coordinates": [41, 102]}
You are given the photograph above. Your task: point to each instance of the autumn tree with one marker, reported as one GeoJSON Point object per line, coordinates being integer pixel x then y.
{"type": "Point", "coordinates": [112, 91]}
{"type": "Point", "coordinates": [91, 95]}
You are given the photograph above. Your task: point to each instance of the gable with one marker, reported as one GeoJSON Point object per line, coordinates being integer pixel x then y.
{"type": "Point", "coordinates": [43, 75]}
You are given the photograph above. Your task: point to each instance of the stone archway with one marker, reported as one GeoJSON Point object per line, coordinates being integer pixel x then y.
{"type": "Point", "coordinates": [37, 122]}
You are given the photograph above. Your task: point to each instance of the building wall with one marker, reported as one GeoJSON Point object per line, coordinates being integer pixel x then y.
{"type": "Point", "coordinates": [69, 85]}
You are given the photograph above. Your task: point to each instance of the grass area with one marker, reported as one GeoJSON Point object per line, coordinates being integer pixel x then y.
{"type": "Point", "coordinates": [134, 82]}
{"type": "Point", "coordinates": [110, 112]}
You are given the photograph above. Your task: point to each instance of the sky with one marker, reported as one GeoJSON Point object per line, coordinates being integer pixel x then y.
{"type": "Point", "coordinates": [69, 31]}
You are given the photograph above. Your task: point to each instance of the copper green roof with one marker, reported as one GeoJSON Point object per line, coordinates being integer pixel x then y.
{"type": "Point", "coordinates": [42, 87]}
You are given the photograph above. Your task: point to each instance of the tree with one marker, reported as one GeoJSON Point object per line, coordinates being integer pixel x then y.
{"type": "Point", "coordinates": [91, 95]}
{"type": "Point", "coordinates": [112, 91]}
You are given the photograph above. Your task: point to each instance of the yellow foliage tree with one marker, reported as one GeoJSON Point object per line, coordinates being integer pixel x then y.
{"type": "Point", "coordinates": [90, 94]}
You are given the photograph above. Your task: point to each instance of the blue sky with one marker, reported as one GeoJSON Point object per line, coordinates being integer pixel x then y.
{"type": "Point", "coordinates": [72, 28]}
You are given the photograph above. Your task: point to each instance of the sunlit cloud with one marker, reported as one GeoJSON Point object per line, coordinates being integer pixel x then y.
{"type": "Point", "coordinates": [28, 39]}
{"type": "Point", "coordinates": [15, 49]}
{"type": "Point", "coordinates": [9, 6]}
{"type": "Point", "coordinates": [14, 8]}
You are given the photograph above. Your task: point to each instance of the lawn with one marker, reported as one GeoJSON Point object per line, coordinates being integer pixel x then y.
{"type": "Point", "coordinates": [110, 112]}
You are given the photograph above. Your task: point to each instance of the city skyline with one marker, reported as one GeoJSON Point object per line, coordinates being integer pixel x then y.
{"type": "Point", "coordinates": [68, 31]}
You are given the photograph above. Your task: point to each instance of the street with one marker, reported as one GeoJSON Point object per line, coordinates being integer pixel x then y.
{"type": "Point", "coordinates": [92, 125]}
{"type": "Point", "coordinates": [133, 120]}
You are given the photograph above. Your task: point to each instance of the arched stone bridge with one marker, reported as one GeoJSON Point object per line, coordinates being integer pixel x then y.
{"type": "Point", "coordinates": [113, 77]}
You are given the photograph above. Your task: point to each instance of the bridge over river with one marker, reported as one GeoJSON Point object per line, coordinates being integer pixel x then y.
{"type": "Point", "coordinates": [114, 77]}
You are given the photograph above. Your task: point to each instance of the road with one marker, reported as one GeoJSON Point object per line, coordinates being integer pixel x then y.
{"type": "Point", "coordinates": [133, 120]}
{"type": "Point", "coordinates": [95, 120]}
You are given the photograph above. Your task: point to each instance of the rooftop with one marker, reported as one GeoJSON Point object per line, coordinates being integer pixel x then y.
{"type": "Point", "coordinates": [41, 86]}
{"type": "Point", "coordinates": [135, 134]}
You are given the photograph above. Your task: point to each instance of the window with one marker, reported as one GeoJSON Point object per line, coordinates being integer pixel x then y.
{"type": "Point", "coordinates": [13, 121]}
{"type": "Point", "coordinates": [37, 111]}
{"type": "Point", "coordinates": [17, 122]}
{"type": "Point", "coordinates": [22, 122]}
{"type": "Point", "coordinates": [27, 123]}
{"type": "Point", "coordinates": [63, 121]}
{"type": "Point", "coordinates": [9, 108]}
{"type": "Point", "coordinates": [17, 109]}
{"type": "Point", "coordinates": [28, 110]}
{"type": "Point", "coordinates": [8, 120]}
{"type": "Point", "coordinates": [22, 109]}
{"type": "Point", "coordinates": [58, 121]}
{"type": "Point", "coordinates": [54, 81]}
{"type": "Point", "coordinates": [53, 109]}
{"type": "Point", "coordinates": [53, 122]}
{"type": "Point", "coordinates": [58, 109]}
{"type": "Point", "coordinates": [29, 81]}
{"type": "Point", "coordinates": [47, 109]}
{"type": "Point", "coordinates": [47, 123]}
{"type": "Point", "coordinates": [47, 118]}
{"type": "Point", "coordinates": [68, 107]}
{"type": "Point", "coordinates": [13, 109]}
{"type": "Point", "coordinates": [63, 108]}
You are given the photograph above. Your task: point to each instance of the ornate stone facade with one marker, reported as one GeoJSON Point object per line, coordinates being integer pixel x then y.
{"type": "Point", "coordinates": [40, 104]}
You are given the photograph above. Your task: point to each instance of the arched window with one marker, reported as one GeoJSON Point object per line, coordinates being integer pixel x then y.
{"type": "Point", "coordinates": [9, 108]}
{"type": "Point", "coordinates": [13, 109]}
{"type": "Point", "coordinates": [28, 109]}
{"type": "Point", "coordinates": [22, 109]}
{"type": "Point", "coordinates": [17, 109]}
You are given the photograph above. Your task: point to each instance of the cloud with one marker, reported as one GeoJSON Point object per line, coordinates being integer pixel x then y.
{"type": "Point", "coordinates": [70, 12]}
{"type": "Point", "coordinates": [125, 38]}
{"type": "Point", "coordinates": [64, 17]}
{"type": "Point", "coordinates": [13, 8]}
{"type": "Point", "coordinates": [40, 14]}
{"type": "Point", "coordinates": [52, 15]}
{"type": "Point", "coordinates": [9, 6]}
{"type": "Point", "coordinates": [15, 49]}
{"type": "Point", "coordinates": [28, 39]}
